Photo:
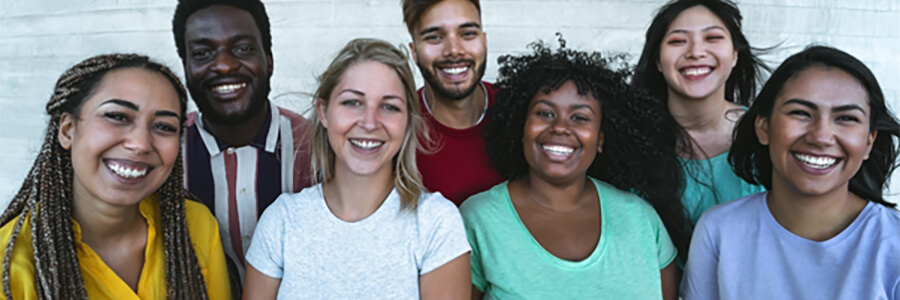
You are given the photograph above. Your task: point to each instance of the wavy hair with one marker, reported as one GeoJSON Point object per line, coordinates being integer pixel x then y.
{"type": "Point", "coordinates": [49, 186]}
{"type": "Point", "coordinates": [407, 179]}
{"type": "Point", "coordinates": [751, 160]}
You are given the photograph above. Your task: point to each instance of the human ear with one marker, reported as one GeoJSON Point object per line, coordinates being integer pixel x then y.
{"type": "Point", "coordinates": [412, 51]}
{"type": "Point", "coordinates": [66, 130]}
{"type": "Point", "coordinates": [320, 110]}
{"type": "Point", "coordinates": [270, 65]}
{"type": "Point", "coordinates": [762, 130]}
{"type": "Point", "coordinates": [870, 142]}
{"type": "Point", "coordinates": [600, 142]}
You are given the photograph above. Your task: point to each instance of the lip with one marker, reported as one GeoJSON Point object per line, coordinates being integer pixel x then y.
{"type": "Point", "coordinates": [125, 166]}
{"type": "Point", "coordinates": [454, 70]}
{"type": "Point", "coordinates": [557, 152]}
{"type": "Point", "coordinates": [696, 72]}
{"type": "Point", "coordinates": [365, 145]}
{"type": "Point", "coordinates": [238, 87]}
{"type": "Point", "coordinates": [832, 162]}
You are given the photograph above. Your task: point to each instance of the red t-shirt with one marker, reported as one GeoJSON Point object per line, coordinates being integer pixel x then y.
{"type": "Point", "coordinates": [461, 167]}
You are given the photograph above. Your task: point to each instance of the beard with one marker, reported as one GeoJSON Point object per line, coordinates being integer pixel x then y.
{"type": "Point", "coordinates": [455, 93]}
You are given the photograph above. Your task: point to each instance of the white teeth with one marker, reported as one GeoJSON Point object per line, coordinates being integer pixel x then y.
{"type": "Point", "coordinates": [696, 71]}
{"type": "Point", "coordinates": [816, 162]}
{"type": "Point", "coordinates": [454, 71]}
{"type": "Point", "coordinates": [366, 144]}
{"type": "Point", "coordinates": [126, 172]}
{"type": "Point", "coordinates": [228, 88]}
{"type": "Point", "coordinates": [558, 150]}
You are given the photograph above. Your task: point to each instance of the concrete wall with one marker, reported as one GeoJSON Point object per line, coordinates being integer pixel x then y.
{"type": "Point", "coordinates": [39, 39]}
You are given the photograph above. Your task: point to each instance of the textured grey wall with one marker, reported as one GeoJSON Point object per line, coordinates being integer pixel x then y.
{"type": "Point", "coordinates": [39, 39]}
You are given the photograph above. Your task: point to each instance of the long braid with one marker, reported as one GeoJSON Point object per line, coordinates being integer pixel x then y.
{"type": "Point", "coordinates": [49, 185]}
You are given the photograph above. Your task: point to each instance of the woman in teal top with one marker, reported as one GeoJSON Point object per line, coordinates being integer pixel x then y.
{"type": "Point", "coordinates": [551, 231]}
{"type": "Point", "coordinates": [700, 68]}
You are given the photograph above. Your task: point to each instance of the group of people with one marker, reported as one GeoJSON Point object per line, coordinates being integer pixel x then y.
{"type": "Point", "coordinates": [573, 176]}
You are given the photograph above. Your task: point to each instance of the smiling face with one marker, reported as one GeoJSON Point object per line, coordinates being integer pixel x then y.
{"type": "Point", "coordinates": [126, 138]}
{"type": "Point", "coordinates": [226, 67]}
{"type": "Point", "coordinates": [818, 134]}
{"type": "Point", "coordinates": [450, 48]}
{"type": "Point", "coordinates": [697, 55]}
{"type": "Point", "coordinates": [562, 133]}
{"type": "Point", "coordinates": [366, 119]}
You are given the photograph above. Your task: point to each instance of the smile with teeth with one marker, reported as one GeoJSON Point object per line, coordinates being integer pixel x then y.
{"type": "Point", "coordinates": [228, 88]}
{"type": "Point", "coordinates": [454, 71]}
{"type": "Point", "coordinates": [696, 71]}
{"type": "Point", "coordinates": [816, 162]}
{"type": "Point", "coordinates": [558, 149]}
{"type": "Point", "coordinates": [366, 144]}
{"type": "Point", "coordinates": [127, 172]}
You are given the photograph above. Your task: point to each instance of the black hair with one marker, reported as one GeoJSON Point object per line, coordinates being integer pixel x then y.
{"type": "Point", "coordinates": [186, 8]}
{"type": "Point", "coordinates": [751, 160]}
{"type": "Point", "coordinates": [637, 155]}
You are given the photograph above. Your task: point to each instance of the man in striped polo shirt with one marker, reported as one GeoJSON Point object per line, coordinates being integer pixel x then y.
{"type": "Point", "coordinates": [240, 150]}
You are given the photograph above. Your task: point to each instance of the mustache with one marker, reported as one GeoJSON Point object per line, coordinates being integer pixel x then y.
{"type": "Point", "coordinates": [440, 63]}
{"type": "Point", "coordinates": [226, 78]}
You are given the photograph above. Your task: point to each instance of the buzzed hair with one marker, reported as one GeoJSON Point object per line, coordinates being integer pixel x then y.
{"type": "Point", "coordinates": [413, 10]}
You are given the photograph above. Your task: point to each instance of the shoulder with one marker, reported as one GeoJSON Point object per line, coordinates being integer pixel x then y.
{"type": "Point", "coordinates": [613, 196]}
{"type": "Point", "coordinates": [191, 119]}
{"type": "Point", "coordinates": [885, 219]}
{"type": "Point", "coordinates": [433, 205]}
{"type": "Point", "coordinates": [486, 202]}
{"type": "Point", "coordinates": [22, 258]}
{"type": "Point", "coordinates": [734, 215]}
{"type": "Point", "coordinates": [491, 92]}
{"type": "Point", "coordinates": [198, 217]}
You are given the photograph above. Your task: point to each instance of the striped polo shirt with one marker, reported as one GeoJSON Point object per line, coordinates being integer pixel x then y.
{"type": "Point", "coordinates": [238, 183]}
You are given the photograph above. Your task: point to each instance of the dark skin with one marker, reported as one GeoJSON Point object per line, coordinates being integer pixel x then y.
{"type": "Point", "coordinates": [224, 49]}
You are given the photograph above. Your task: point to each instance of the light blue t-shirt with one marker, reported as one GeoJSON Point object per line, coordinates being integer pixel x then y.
{"type": "Point", "coordinates": [709, 182]}
{"type": "Point", "coordinates": [318, 256]}
{"type": "Point", "coordinates": [508, 263]}
{"type": "Point", "coordinates": [739, 251]}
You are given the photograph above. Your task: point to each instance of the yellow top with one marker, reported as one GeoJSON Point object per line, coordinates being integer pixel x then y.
{"type": "Point", "coordinates": [101, 282]}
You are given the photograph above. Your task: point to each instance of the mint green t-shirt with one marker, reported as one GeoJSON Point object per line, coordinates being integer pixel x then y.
{"type": "Point", "coordinates": [709, 182]}
{"type": "Point", "coordinates": [508, 263]}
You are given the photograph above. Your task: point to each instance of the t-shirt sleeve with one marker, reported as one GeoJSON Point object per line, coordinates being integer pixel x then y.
{"type": "Point", "coordinates": [477, 268]}
{"type": "Point", "coordinates": [266, 253]}
{"type": "Point", "coordinates": [443, 236]}
{"type": "Point", "coordinates": [700, 279]}
{"type": "Point", "coordinates": [665, 249]}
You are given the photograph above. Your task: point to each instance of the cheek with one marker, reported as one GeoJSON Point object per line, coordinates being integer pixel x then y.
{"type": "Point", "coordinates": [168, 148]}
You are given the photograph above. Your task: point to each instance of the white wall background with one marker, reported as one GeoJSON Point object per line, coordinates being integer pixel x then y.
{"type": "Point", "coordinates": [39, 39]}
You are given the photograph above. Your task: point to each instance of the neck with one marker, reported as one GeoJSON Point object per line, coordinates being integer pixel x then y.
{"type": "Point", "coordinates": [817, 218]}
{"type": "Point", "coordinates": [102, 223]}
{"type": "Point", "coordinates": [700, 115]}
{"type": "Point", "coordinates": [352, 198]}
{"type": "Point", "coordinates": [458, 114]}
{"type": "Point", "coordinates": [563, 196]}
{"type": "Point", "coordinates": [239, 134]}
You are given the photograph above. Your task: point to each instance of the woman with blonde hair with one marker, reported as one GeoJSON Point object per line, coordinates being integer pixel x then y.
{"type": "Point", "coordinates": [366, 229]}
{"type": "Point", "coordinates": [102, 213]}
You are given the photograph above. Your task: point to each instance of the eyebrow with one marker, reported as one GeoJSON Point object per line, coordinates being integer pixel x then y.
{"type": "Point", "coordinates": [841, 108]}
{"type": "Point", "coordinates": [437, 28]}
{"type": "Point", "coordinates": [135, 107]}
{"type": "Point", "coordinates": [206, 41]}
{"type": "Point", "coordinates": [704, 29]}
{"type": "Point", "coordinates": [363, 94]}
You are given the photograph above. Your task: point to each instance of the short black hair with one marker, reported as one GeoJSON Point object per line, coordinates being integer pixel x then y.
{"type": "Point", "coordinates": [638, 152]}
{"type": "Point", "coordinates": [186, 8]}
{"type": "Point", "coordinates": [750, 159]}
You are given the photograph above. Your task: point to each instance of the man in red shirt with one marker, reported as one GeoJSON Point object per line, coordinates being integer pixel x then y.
{"type": "Point", "coordinates": [450, 49]}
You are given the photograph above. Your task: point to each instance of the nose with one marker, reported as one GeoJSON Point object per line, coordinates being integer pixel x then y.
{"type": "Point", "coordinates": [452, 47]}
{"type": "Point", "coordinates": [560, 126]}
{"type": "Point", "coordinates": [697, 50]}
{"type": "Point", "coordinates": [821, 133]}
{"type": "Point", "coordinates": [139, 140]}
{"type": "Point", "coordinates": [224, 63]}
{"type": "Point", "coordinates": [369, 119]}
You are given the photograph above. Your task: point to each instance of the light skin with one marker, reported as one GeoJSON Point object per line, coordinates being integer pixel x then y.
{"type": "Point", "coordinates": [227, 72]}
{"type": "Point", "coordinates": [818, 136]}
{"type": "Point", "coordinates": [132, 121]}
{"type": "Point", "coordinates": [556, 201]}
{"type": "Point", "coordinates": [367, 120]}
{"type": "Point", "coordinates": [450, 49]}
{"type": "Point", "coordinates": [696, 58]}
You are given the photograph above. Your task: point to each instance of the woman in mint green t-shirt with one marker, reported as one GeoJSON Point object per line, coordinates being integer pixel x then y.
{"type": "Point", "coordinates": [551, 231]}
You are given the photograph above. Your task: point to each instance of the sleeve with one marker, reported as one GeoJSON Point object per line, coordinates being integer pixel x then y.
{"type": "Point", "coordinates": [478, 279]}
{"type": "Point", "coordinates": [665, 249]}
{"type": "Point", "coordinates": [21, 266]}
{"type": "Point", "coordinates": [266, 252]}
{"type": "Point", "coordinates": [217, 283]}
{"type": "Point", "coordinates": [442, 235]}
{"type": "Point", "coordinates": [700, 280]}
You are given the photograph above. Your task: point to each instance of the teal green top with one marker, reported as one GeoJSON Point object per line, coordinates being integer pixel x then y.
{"type": "Point", "coordinates": [508, 263]}
{"type": "Point", "coordinates": [709, 182]}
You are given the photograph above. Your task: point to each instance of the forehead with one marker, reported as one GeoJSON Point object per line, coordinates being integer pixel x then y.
{"type": "Point", "coordinates": [220, 22]}
{"type": "Point", "coordinates": [372, 78]}
{"type": "Point", "coordinates": [449, 13]}
{"type": "Point", "coordinates": [696, 18]}
{"type": "Point", "coordinates": [825, 86]}
{"type": "Point", "coordinates": [566, 95]}
{"type": "Point", "coordinates": [142, 87]}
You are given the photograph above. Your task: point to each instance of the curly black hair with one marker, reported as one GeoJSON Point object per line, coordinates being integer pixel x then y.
{"type": "Point", "coordinates": [638, 153]}
{"type": "Point", "coordinates": [186, 8]}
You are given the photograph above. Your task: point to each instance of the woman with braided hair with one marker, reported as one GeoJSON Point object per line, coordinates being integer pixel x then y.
{"type": "Point", "coordinates": [102, 213]}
